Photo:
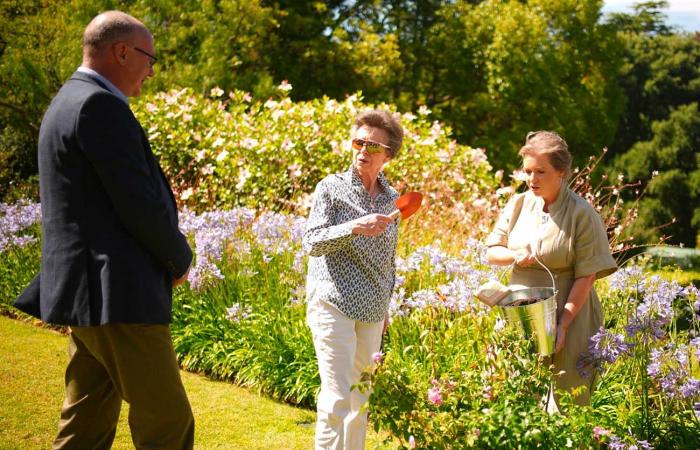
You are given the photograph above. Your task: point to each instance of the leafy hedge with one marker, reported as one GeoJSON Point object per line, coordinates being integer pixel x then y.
{"type": "Point", "coordinates": [228, 150]}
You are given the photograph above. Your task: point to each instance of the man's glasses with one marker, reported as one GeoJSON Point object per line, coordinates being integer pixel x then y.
{"type": "Point", "coordinates": [151, 59]}
{"type": "Point", "coordinates": [371, 147]}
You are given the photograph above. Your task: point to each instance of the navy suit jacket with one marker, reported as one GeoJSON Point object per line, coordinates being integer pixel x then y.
{"type": "Point", "coordinates": [111, 246]}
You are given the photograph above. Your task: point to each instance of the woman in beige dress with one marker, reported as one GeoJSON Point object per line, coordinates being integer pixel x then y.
{"type": "Point", "coordinates": [552, 224]}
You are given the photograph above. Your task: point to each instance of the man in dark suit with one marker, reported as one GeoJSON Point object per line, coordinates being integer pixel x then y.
{"type": "Point", "coordinates": [111, 249]}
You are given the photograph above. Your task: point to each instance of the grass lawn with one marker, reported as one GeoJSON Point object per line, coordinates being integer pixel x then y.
{"type": "Point", "coordinates": [226, 416]}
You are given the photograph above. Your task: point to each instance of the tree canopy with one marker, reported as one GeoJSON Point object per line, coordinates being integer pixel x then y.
{"type": "Point", "coordinates": [492, 70]}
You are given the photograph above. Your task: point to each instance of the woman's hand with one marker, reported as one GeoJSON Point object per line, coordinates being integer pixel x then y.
{"type": "Point", "coordinates": [371, 224]}
{"type": "Point", "coordinates": [561, 338]}
{"type": "Point", "coordinates": [524, 257]}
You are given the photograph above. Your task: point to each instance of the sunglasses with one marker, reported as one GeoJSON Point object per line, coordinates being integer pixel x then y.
{"type": "Point", "coordinates": [371, 147]}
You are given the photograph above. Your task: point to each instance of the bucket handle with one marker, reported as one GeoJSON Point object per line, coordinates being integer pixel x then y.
{"type": "Point", "coordinates": [554, 286]}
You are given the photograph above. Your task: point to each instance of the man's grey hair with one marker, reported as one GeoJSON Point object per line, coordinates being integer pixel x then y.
{"type": "Point", "coordinates": [108, 28]}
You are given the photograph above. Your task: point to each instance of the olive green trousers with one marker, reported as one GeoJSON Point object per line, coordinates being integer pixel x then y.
{"type": "Point", "coordinates": [131, 362]}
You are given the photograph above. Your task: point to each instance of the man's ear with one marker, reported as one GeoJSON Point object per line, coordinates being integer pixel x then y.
{"type": "Point", "coordinates": [119, 50]}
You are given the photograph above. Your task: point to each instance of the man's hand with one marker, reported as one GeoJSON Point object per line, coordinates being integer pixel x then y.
{"type": "Point", "coordinates": [371, 224]}
{"type": "Point", "coordinates": [178, 281]}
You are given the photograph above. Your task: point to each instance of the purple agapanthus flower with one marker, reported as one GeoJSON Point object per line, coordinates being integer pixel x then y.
{"type": "Point", "coordinates": [236, 313]}
{"type": "Point", "coordinates": [14, 220]}
{"type": "Point", "coordinates": [617, 443]}
{"type": "Point", "coordinates": [670, 368]}
{"type": "Point", "coordinates": [655, 311]}
{"type": "Point", "coordinates": [608, 346]}
{"type": "Point", "coordinates": [690, 389]}
{"type": "Point", "coordinates": [695, 345]}
{"type": "Point", "coordinates": [628, 279]}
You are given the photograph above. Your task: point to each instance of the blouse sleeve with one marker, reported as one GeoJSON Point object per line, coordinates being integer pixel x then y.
{"type": "Point", "coordinates": [499, 235]}
{"type": "Point", "coordinates": [591, 247]}
{"type": "Point", "coordinates": [322, 235]}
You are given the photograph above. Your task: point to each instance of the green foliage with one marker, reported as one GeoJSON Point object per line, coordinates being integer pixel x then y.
{"type": "Point", "coordinates": [492, 387]}
{"type": "Point", "coordinates": [492, 70]}
{"type": "Point", "coordinates": [661, 71]}
{"type": "Point", "coordinates": [269, 349]}
{"type": "Point", "coordinates": [673, 195]}
{"type": "Point", "coordinates": [18, 267]}
{"type": "Point", "coordinates": [648, 18]}
{"type": "Point", "coordinates": [226, 151]}
{"type": "Point", "coordinates": [534, 65]}
{"type": "Point", "coordinates": [36, 54]}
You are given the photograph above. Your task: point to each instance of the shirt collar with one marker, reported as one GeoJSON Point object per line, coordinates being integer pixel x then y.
{"type": "Point", "coordinates": [353, 178]}
{"type": "Point", "coordinates": [110, 86]}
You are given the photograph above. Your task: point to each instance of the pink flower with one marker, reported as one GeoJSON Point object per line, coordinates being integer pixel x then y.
{"type": "Point", "coordinates": [477, 432]}
{"type": "Point", "coordinates": [488, 393]}
{"type": "Point", "coordinates": [598, 432]}
{"type": "Point", "coordinates": [434, 396]}
{"type": "Point", "coordinates": [411, 441]}
{"type": "Point", "coordinates": [377, 357]}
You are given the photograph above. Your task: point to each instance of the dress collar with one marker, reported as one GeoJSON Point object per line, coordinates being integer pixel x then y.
{"type": "Point", "coordinates": [564, 193]}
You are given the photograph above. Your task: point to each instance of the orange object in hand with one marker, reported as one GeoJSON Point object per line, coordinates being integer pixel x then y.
{"type": "Point", "coordinates": [407, 205]}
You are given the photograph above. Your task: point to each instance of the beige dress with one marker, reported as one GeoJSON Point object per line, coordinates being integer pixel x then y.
{"type": "Point", "coordinates": [571, 241]}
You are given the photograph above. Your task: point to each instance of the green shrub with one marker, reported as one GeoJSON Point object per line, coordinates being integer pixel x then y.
{"type": "Point", "coordinates": [229, 150]}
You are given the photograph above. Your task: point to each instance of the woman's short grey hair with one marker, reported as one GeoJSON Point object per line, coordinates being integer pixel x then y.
{"type": "Point", "coordinates": [108, 28]}
{"type": "Point", "coordinates": [383, 120]}
{"type": "Point", "coordinates": [551, 144]}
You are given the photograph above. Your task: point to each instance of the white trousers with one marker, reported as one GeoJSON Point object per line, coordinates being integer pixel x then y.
{"type": "Point", "coordinates": [344, 349]}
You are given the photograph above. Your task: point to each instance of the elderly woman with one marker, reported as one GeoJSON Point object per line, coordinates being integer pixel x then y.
{"type": "Point", "coordinates": [352, 244]}
{"type": "Point", "coordinates": [552, 224]}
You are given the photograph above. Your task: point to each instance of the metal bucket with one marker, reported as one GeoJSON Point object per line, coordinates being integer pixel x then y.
{"type": "Point", "coordinates": [536, 320]}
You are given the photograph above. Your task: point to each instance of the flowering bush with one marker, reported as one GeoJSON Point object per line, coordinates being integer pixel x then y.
{"type": "Point", "coordinates": [227, 150]}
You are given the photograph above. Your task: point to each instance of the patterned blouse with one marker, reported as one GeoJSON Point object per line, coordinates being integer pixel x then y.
{"type": "Point", "coordinates": [352, 272]}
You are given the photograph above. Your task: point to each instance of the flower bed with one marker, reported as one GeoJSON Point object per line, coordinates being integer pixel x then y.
{"type": "Point", "coordinates": [452, 375]}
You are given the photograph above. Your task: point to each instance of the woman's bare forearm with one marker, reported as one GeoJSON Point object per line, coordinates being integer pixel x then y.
{"type": "Point", "coordinates": [499, 255]}
{"type": "Point", "coordinates": [578, 295]}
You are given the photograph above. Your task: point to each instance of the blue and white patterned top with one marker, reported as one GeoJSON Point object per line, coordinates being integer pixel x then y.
{"type": "Point", "coordinates": [352, 272]}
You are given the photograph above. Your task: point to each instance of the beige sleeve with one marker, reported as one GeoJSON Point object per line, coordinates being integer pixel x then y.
{"type": "Point", "coordinates": [591, 247]}
{"type": "Point", "coordinates": [499, 235]}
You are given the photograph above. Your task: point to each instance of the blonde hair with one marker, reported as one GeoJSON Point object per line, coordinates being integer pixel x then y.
{"type": "Point", "coordinates": [551, 144]}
